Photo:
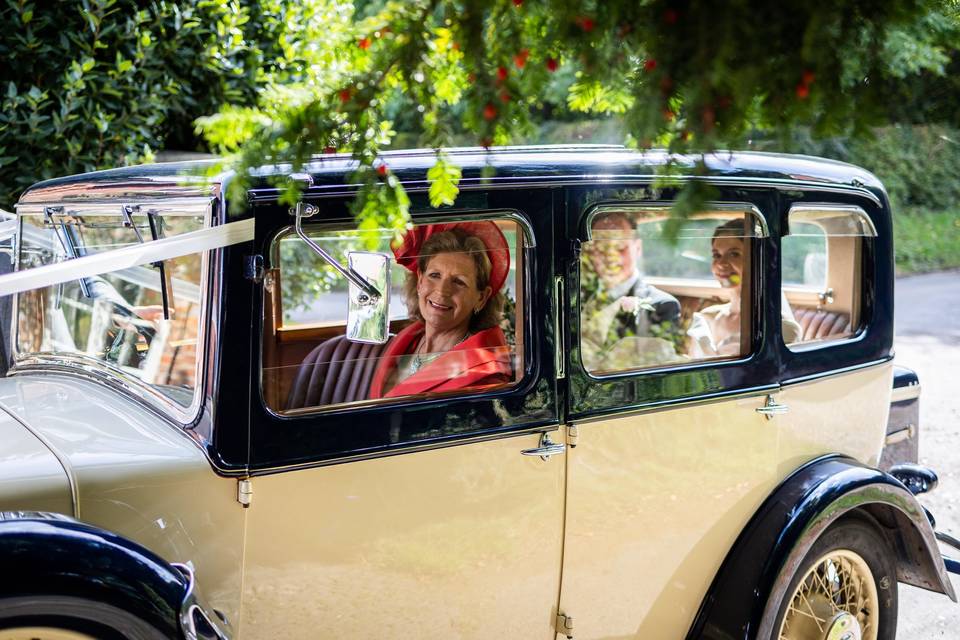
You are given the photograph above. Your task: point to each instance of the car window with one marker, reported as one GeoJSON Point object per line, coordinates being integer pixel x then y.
{"type": "Point", "coordinates": [657, 292]}
{"type": "Point", "coordinates": [455, 295]}
{"type": "Point", "coordinates": [822, 251]}
{"type": "Point", "coordinates": [116, 319]}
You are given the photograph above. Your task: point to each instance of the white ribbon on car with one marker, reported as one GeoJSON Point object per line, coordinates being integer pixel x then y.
{"type": "Point", "coordinates": [137, 254]}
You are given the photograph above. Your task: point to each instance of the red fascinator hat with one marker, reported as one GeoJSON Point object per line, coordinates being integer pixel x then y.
{"type": "Point", "coordinates": [498, 251]}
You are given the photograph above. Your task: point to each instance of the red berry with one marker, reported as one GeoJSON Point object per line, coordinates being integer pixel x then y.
{"type": "Point", "coordinates": [521, 58]}
{"type": "Point", "coordinates": [585, 22]}
{"type": "Point", "coordinates": [517, 3]}
{"type": "Point", "coordinates": [455, 46]}
{"type": "Point", "coordinates": [504, 97]}
{"type": "Point", "coordinates": [685, 135]}
{"type": "Point", "coordinates": [489, 111]}
{"type": "Point", "coordinates": [809, 77]}
{"type": "Point", "coordinates": [501, 73]}
{"type": "Point", "coordinates": [486, 143]}
{"type": "Point", "coordinates": [670, 16]}
{"type": "Point", "coordinates": [364, 43]}
{"type": "Point", "coordinates": [382, 170]}
{"type": "Point", "coordinates": [329, 149]}
{"type": "Point", "coordinates": [345, 95]}
{"type": "Point", "coordinates": [649, 65]}
{"type": "Point", "coordinates": [471, 78]}
{"type": "Point", "coordinates": [552, 64]}
{"type": "Point", "coordinates": [669, 115]}
{"type": "Point", "coordinates": [803, 91]}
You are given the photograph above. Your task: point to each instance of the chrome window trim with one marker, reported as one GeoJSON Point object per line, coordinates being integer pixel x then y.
{"type": "Point", "coordinates": [478, 184]}
{"type": "Point", "coordinates": [184, 416]}
{"type": "Point", "coordinates": [834, 208]}
{"type": "Point", "coordinates": [666, 206]}
{"type": "Point", "coordinates": [460, 216]}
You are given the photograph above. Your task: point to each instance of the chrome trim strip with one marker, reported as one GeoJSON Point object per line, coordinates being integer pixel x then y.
{"type": "Point", "coordinates": [892, 496]}
{"type": "Point", "coordinates": [665, 205]}
{"type": "Point", "coordinates": [836, 372]}
{"type": "Point", "coordinates": [61, 458]}
{"type": "Point", "coordinates": [673, 403]}
{"type": "Point", "coordinates": [560, 351]}
{"type": "Point", "coordinates": [471, 184]}
{"type": "Point", "coordinates": [910, 392]}
{"type": "Point", "coordinates": [833, 207]}
{"type": "Point", "coordinates": [407, 449]}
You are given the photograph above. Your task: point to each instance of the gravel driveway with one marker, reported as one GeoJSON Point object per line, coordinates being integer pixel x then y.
{"type": "Point", "coordinates": [928, 341]}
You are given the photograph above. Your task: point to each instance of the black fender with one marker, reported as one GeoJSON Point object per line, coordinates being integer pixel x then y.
{"type": "Point", "coordinates": [765, 556]}
{"type": "Point", "coordinates": [63, 573]}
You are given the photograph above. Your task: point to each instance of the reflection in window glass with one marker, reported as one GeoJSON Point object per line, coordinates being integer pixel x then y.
{"type": "Point", "coordinates": [453, 316]}
{"type": "Point", "coordinates": [822, 273]}
{"type": "Point", "coordinates": [647, 300]}
{"type": "Point", "coordinates": [115, 318]}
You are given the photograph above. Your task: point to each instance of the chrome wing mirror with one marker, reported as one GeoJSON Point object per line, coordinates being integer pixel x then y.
{"type": "Point", "coordinates": [367, 316]}
{"type": "Point", "coordinates": [368, 274]}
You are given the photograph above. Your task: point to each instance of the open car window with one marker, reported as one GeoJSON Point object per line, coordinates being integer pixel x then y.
{"type": "Point", "coordinates": [822, 256]}
{"type": "Point", "coordinates": [655, 291]}
{"type": "Point", "coordinates": [118, 319]}
{"type": "Point", "coordinates": [445, 337]}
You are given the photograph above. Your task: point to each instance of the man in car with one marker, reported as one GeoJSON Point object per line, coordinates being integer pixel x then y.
{"type": "Point", "coordinates": [626, 323]}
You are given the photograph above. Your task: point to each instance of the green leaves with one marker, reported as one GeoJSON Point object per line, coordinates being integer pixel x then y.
{"type": "Point", "coordinates": [444, 179]}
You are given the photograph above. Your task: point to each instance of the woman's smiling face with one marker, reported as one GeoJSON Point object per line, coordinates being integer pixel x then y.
{"type": "Point", "coordinates": [447, 292]}
{"type": "Point", "coordinates": [727, 265]}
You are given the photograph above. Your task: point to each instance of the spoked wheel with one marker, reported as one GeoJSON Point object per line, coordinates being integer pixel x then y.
{"type": "Point", "coordinates": [846, 589]}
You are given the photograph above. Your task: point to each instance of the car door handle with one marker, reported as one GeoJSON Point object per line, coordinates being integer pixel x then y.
{"type": "Point", "coordinates": [772, 408]}
{"type": "Point", "coordinates": [546, 449]}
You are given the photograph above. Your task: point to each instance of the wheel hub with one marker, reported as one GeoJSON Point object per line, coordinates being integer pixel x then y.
{"type": "Point", "coordinates": [843, 627]}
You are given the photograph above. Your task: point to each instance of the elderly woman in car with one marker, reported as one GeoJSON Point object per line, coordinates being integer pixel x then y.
{"type": "Point", "coordinates": [453, 294]}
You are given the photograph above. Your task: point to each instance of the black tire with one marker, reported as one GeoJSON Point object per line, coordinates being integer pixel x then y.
{"type": "Point", "coordinates": [830, 573]}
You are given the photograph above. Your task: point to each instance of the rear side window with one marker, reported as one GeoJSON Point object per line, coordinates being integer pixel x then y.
{"type": "Point", "coordinates": [455, 297]}
{"type": "Point", "coordinates": [823, 280]}
{"type": "Point", "coordinates": [652, 298]}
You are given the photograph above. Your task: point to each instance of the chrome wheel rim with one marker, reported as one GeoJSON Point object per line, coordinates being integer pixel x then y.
{"type": "Point", "coordinates": [836, 600]}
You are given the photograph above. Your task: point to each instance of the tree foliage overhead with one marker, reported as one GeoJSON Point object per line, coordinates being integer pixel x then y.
{"type": "Point", "coordinates": [685, 75]}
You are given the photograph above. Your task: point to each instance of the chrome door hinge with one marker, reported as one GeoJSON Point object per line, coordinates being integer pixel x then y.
{"type": "Point", "coordinates": [565, 625]}
{"type": "Point", "coordinates": [573, 435]}
{"type": "Point", "coordinates": [244, 492]}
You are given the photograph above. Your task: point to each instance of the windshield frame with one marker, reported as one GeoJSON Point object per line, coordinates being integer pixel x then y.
{"type": "Point", "coordinates": [101, 370]}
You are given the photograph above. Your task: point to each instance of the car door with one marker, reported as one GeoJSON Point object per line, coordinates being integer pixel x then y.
{"type": "Point", "coordinates": [418, 516]}
{"type": "Point", "coordinates": [673, 452]}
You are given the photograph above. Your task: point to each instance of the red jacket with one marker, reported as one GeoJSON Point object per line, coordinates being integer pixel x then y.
{"type": "Point", "coordinates": [482, 360]}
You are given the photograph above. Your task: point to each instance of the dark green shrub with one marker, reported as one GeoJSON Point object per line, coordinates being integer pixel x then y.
{"type": "Point", "coordinates": [90, 84]}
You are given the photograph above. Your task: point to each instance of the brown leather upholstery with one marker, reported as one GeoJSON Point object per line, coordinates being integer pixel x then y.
{"type": "Point", "coordinates": [335, 371]}
{"type": "Point", "coordinates": [820, 325]}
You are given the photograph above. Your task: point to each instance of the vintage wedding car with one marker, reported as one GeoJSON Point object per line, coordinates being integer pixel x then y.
{"type": "Point", "coordinates": [677, 430]}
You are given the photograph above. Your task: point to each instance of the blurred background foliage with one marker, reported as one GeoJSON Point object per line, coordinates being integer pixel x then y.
{"type": "Point", "coordinates": [91, 84]}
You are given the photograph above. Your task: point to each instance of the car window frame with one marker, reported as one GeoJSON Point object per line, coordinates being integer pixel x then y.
{"type": "Point", "coordinates": [864, 258]}
{"type": "Point", "coordinates": [330, 435]}
{"type": "Point", "coordinates": [129, 384]}
{"type": "Point", "coordinates": [584, 235]}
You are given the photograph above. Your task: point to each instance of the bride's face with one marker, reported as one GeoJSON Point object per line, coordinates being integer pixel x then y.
{"type": "Point", "coordinates": [727, 265]}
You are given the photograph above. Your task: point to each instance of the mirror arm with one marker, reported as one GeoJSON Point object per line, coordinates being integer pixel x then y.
{"type": "Point", "coordinates": [156, 235]}
{"type": "Point", "coordinates": [69, 247]}
{"type": "Point", "coordinates": [304, 210]}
